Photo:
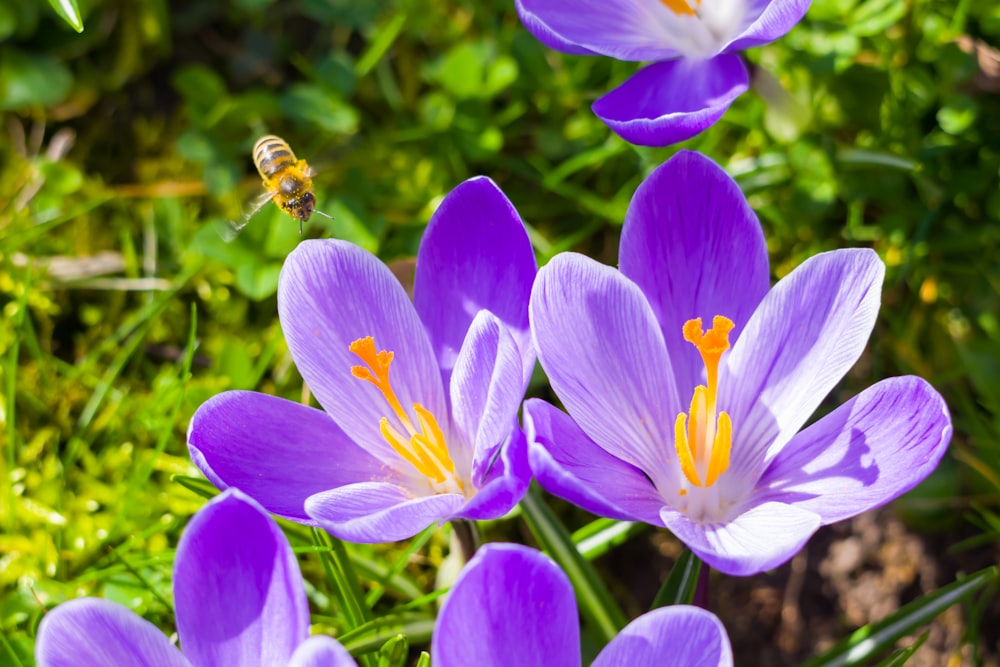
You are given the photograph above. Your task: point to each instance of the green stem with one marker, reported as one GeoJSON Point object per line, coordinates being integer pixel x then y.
{"type": "Point", "coordinates": [597, 606]}
{"type": "Point", "coordinates": [682, 583]}
{"type": "Point", "coordinates": [466, 538]}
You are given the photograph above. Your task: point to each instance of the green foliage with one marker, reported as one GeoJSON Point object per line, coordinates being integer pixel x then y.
{"type": "Point", "coordinates": [126, 155]}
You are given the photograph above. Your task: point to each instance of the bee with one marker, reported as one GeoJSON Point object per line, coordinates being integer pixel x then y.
{"type": "Point", "coordinates": [287, 182]}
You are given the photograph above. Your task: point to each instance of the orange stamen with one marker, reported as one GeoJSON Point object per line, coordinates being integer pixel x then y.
{"type": "Point", "coordinates": [425, 447]}
{"type": "Point", "coordinates": [679, 7]}
{"type": "Point", "coordinates": [704, 444]}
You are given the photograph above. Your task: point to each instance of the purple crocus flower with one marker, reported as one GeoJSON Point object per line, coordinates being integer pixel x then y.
{"type": "Point", "coordinates": [420, 398]}
{"type": "Point", "coordinates": [238, 599]}
{"type": "Point", "coordinates": [696, 430]}
{"type": "Point", "coordinates": [520, 609]}
{"type": "Point", "coordinates": [697, 74]}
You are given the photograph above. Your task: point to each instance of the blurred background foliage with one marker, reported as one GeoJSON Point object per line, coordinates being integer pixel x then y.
{"type": "Point", "coordinates": [125, 147]}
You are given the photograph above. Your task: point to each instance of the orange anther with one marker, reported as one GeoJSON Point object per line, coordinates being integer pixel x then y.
{"type": "Point", "coordinates": [679, 7]}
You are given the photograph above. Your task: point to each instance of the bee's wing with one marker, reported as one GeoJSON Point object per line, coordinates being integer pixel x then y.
{"type": "Point", "coordinates": [232, 228]}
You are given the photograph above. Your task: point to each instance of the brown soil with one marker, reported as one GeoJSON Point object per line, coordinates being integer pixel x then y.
{"type": "Point", "coordinates": [849, 574]}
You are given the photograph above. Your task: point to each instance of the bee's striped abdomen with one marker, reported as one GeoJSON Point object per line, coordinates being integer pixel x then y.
{"type": "Point", "coordinates": [271, 154]}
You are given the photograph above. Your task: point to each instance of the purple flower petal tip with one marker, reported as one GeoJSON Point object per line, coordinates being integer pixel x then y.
{"type": "Point", "coordinates": [519, 607]}
{"type": "Point", "coordinates": [676, 636]}
{"type": "Point", "coordinates": [546, 35]}
{"type": "Point", "coordinates": [321, 651]}
{"type": "Point", "coordinates": [238, 592]}
{"type": "Point", "coordinates": [778, 17]}
{"type": "Point", "coordinates": [89, 632]}
{"type": "Point", "coordinates": [475, 255]}
{"type": "Point", "coordinates": [671, 101]}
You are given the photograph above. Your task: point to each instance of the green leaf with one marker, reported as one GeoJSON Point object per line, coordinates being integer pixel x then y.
{"type": "Point", "coordinates": [346, 589]}
{"type": "Point", "coordinates": [462, 70]}
{"type": "Point", "coordinates": [600, 536]}
{"type": "Point", "coordinates": [681, 584]}
{"type": "Point", "coordinates": [424, 660]}
{"type": "Point", "coordinates": [900, 657]}
{"type": "Point", "coordinates": [31, 79]}
{"type": "Point", "coordinates": [393, 652]}
{"type": "Point", "coordinates": [867, 642]}
{"type": "Point", "coordinates": [379, 44]}
{"type": "Point", "coordinates": [196, 485]}
{"type": "Point", "coordinates": [319, 108]}
{"type": "Point", "coordinates": [258, 281]}
{"type": "Point", "coordinates": [596, 603]}
{"type": "Point", "coordinates": [876, 16]}
{"type": "Point", "coordinates": [201, 85]}
{"type": "Point", "coordinates": [374, 634]}
{"type": "Point", "coordinates": [70, 13]}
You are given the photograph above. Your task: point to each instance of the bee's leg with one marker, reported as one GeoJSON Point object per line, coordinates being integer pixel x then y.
{"type": "Point", "coordinates": [300, 226]}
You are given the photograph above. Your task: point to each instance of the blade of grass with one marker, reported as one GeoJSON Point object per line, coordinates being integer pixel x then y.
{"type": "Point", "coordinates": [415, 545]}
{"type": "Point", "coordinates": [393, 653]}
{"type": "Point", "coordinates": [600, 536]}
{"type": "Point", "coordinates": [371, 636]}
{"type": "Point", "coordinates": [379, 45]}
{"type": "Point", "coordinates": [16, 662]}
{"type": "Point", "coordinates": [69, 12]}
{"type": "Point", "coordinates": [900, 657]}
{"type": "Point", "coordinates": [345, 586]}
{"type": "Point", "coordinates": [681, 583]}
{"type": "Point", "coordinates": [597, 606]}
{"type": "Point", "coordinates": [867, 642]}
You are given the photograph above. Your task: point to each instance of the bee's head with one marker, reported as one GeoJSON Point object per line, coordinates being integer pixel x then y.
{"type": "Point", "coordinates": [306, 206]}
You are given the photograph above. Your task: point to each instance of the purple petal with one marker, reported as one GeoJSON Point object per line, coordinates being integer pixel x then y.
{"type": "Point", "coordinates": [776, 18]}
{"type": "Point", "coordinates": [276, 451]}
{"type": "Point", "coordinates": [321, 651]}
{"type": "Point", "coordinates": [486, 390]}
{"type": "Point", "coordinates": [238, 593]}
{"type": "Point", "coordinates": [806, 334]}
{"type": "Point", "coordinates": [760, 539]}
{"type": "Point", "coordinates": [545, 35]}
{"type": "Point", "coordinates": [679, 636]}
{"type": "Point", "coordinates": [372, 513]}
{"type": "Point", "coordinates": [332, 293]}
{"type": "Point", "coordinates": [623, 29]}
{"type": "Point", "coordinates": [89, 632]}
{"type": "Point", "coordinates": [695, 248]}
{"type": "Point", "coordinates": [674, 100]}
{"type": "Point", "coordinates": [870, 450]}
{"type": "Point", "coordinates": [572, 466]}
{"type": "Point", "coordinates": [603, 351]}
{"type": "Point", "coordinates": [503, 484]}
{"type": "Point", "coordinates": [511, 605]}
{"type": "Point", "coordinates": [475, 255]}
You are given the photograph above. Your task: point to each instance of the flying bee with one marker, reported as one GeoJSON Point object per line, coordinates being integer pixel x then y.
{"type": "Point", "coordinates": [287, 182]}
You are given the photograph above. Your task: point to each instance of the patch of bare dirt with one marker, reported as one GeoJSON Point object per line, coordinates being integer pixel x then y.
{"type": "Point", "coordinates": [849, 574]}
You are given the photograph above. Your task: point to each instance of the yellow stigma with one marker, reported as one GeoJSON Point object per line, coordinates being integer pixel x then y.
{"type": "Point", "coordinates": [703, 444]}
{"type": "Point", "coordinates": [424, 447]}
{"type": "Point", "coordinates": [680, 7]}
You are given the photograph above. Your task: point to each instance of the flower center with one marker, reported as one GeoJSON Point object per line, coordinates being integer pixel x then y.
{"type": "Point", "coordinates": [700, 30]}
{"type": "Point", "coordinates": [704, 441]}
{"type": "Point", "coordinates": [423, 444]}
